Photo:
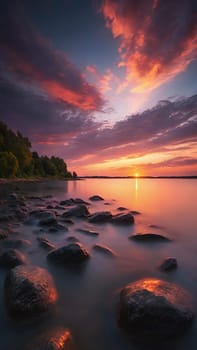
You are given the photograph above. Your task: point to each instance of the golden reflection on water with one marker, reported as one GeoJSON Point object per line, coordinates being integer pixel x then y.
{"type": "Point", "coordinates": [136, 187]}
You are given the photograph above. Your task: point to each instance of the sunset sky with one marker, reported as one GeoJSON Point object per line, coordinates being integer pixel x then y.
{"type": "Point", "coordinates": [110, 86]}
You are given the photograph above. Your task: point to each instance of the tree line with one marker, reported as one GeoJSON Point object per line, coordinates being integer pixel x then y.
{"type": "Point", "coordinates": [17, 159]}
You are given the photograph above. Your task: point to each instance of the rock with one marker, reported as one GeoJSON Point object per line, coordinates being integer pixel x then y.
{"type": "Point", "coordinates": [77, 211]}
{"type": "Point", "coordinates": [59, 339]}
{"type": "Point", "coordinates": [72, 239]}
{"type": "Point", "coordinates": [152, 307]}
{"type": "Point", "coordinates": [88, 232]}
{"type": "Point", "coordinates": [104, 249]}
{"type": "Point", "coordinates": [168, 264]}
{"type": "Point", "coordinates": [121, 208]}
{"type": "Point", "coordinates": [72, 253]}
{"type": "Point", "coordinates": [68, 221]}
{"type": "Point", "coordinates": [29, 290]}
{"type": "Point", "coordinates": [3, 234]}
{"type": "Point", "coordinates": [135, 212]}
{"type": "Point", "coordinates": [100, 217]}
{"type": "Point", "coordinates": [11, 258]}
{"type": "Point", "coordinates": [96, 198]}
{"type": "Point", "coordinates": [29, 222]}
{"type": "Point", "coordinates": [16, 243]}
{"type": "Point", "coordinates": [67, 202]}
{"type": "Point", "coordinates": [57, 227]}
{"type": "Point", "coordinates": [51, 220]}
{"type": "Point", "coordinates": [42, 214]}
{"type": "Point", "coordinates": [45, 243]}
{"type": "Point", "coordinates": [123, 219]}
{"type": "Point", "coordinates": [149, 237]}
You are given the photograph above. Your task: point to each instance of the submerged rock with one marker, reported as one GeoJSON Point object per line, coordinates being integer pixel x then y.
{"type": "Point", "coordinates": [100, 217]}
{"type": "Point", "coordinates": [152, 307]}
{"type": "Point", "coordinates": [11, 258]}
{"type": "Point", "coordinates": [123, 219]}
{"type": "Point", "coordinates": [96, 198]}
{"type": "Point", "coordinates": [45, 243]}
{"type": "Point", "coordinates": [149, 237]}
{"type": "Point", "coordinates": [169, 264]}
{"type": "Point", "coordinates": [16, 243]}
{"type": "Point", "coordinates": [104, 249]}
{"type": "Point", "coordinates": [121, 208]}
{"type": "Point", "coordinates": [88, 232]}
{"type": "Point", "coordinates": [29, 290]}
{"type": "Point", "coordinates": [59, 339]}
{"type": "Point", "coordinates": [3, 234]}
{"type": "Point", "coordinates": [73, 253]}
{"type": "Point", "coordinates": [77, 211]}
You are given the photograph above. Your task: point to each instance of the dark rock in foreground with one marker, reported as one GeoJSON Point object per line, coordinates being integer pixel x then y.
{"type": "Point", "coordinates": [104, 249]}
{"type": "Point", "coordinates": [168, 264]}
{"type": "Point", "coordinates": [100, 217]}
{"type": "Point", "coordinates": [3, 234]}
{"type": "Point", "coordinates": [123, 219]}
{"type": "Point", "coordinates": [152, 307]}
{"type": "Point", "coordinates": [122, 208]}
{"type": "Point", "coordinates": [11, 258]}
{"type": "Point", "coordinates": [73, 253]}
{"type": "Point", "coordinates": [29, 290]}
{"type": "Point", "coordinates": [96, 198]}
{"type": "Point", "coordinates": [149, 237]}
{"type": "Point", "coordinates": [78, 211]}
{"type": "Point", "coordinates": [59, 339]}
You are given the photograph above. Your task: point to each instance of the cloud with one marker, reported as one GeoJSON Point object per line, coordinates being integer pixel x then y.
{"type": "Point", "coordinates": [32, 58]}
{"type": "Point", "coordinates": [158, 39]}
{"type": "Point", "coordinates": [168, 124]}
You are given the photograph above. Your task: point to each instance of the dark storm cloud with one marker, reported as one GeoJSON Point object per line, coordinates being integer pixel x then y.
{"type": "Point", "coordinates": [158, 38]}
{"type": "Point", "coordinates": [31, 56]}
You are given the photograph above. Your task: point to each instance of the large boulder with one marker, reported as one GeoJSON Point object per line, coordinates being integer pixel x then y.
{"type": "Point", "coordinates": [78, 211]}
{"type": "Point", "coordinates": [29, 290]}
{"type": "Point", "coordinates": [11, 258]}
{"type": "Point", "coordinates": [152, 307]}
{"type": "Point", "coordinates": [73, 253]}
{"type": "Point", "coordinates": [100, 217]}
{"type": "Point", "coordinates": [59, 339]}
{"type": "Point", "coordinates": [123, 219]}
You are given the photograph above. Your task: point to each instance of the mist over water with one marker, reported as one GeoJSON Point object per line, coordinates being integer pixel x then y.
{"type": "Point", "coordinates": [88, 297]}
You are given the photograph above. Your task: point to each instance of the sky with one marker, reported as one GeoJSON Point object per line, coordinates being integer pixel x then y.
{"type": "Point", "coordinates": [110, 86]}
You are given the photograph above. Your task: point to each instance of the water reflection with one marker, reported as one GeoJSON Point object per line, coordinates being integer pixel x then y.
{"type": "Point", "coordinates": [136, 187]}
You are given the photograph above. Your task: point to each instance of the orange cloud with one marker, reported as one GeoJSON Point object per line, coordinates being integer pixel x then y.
{"type": "Point", "coordinates": [158, 39]}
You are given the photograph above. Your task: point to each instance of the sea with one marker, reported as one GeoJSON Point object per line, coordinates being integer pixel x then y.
{"type": "Point", "coordinates": [88, 297]}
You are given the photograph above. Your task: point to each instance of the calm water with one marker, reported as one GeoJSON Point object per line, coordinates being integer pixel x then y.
{"type": "Point", "coordinates": [88, 298]}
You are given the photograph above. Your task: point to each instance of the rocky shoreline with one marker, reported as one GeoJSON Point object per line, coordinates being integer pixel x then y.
{"type": "Point", "coordinates": [150, 307]}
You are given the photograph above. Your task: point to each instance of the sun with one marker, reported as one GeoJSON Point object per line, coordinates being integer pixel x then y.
{"type": "Point", "coordinates": [136, 175]}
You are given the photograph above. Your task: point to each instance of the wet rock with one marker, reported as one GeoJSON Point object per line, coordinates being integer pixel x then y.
{"type": "Point", "coordinates": [50, 219]}
{"type": "Point", "coordinates": [152, 307]}
{"type": "Point", "coordinates": [80, 201]}
{"type": "Point", "coordinates": [59, 339]}
{"type": "Point", "coordinates": [45, 243]}
{"type": "Point", "coordinates": [29, 290]}
{"type": "Point", "coordinates": [11, 258]}
{"type": "Point", "coordinates": [88, 232]}
{"type": "Point", "coordinates": [29, 222]}
{"type": "Point", "coordinates": [149, 237]}
{"type": "Point", "coordinates": [135, 212]}
{"type": "Point", "coordinates": [123, 219]}
{"type": "Point", "coordinates": [77, 211]}
{"type": "Point", "coordinates": [57, 228]}
{"type": "Point", "coordinates": [3, 234]}
{"type": "Point", "coordinates": [121, 208]}
{"type": "Point", "coordinates": [104, 249]}
{"type": "Point", "coordinates": [67, 221]}
{"type": "Point", "coordinates": [100, 217]}
{"type": "Point", "coordinates": [42, 214]}
{"type": "Point", "coordinates": [67, 202]}
{"type": "Point", "coordinates": [16, 243]}
{"type": "Point", "coordinates": [169, 264]}
{"type": "Point", "coordinates": [72, 239]}
{"type": "Point", "coordinates": [96, 198]}
{"type": "Point", "coordinates": [73, 253]}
